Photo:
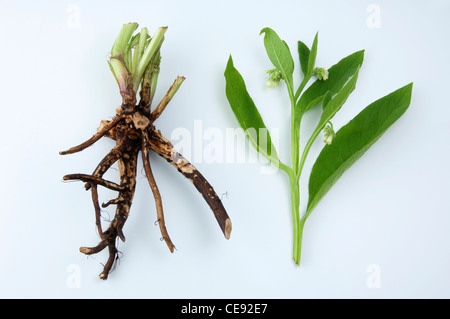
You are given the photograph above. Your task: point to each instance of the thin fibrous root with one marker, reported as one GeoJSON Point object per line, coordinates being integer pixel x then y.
{"type": "Point", "coordinates": [98, 222]}
{"type": "Point", "coordinates": [106, 163]}
{"type": "Point", "coordinates": [109, 239]}
{"type": "Point", "coordinates": [113, 202]}
{"type": "Point", "coordinates": [111, 259]}
{"type": "Point", "coordinates": [105, 129]}
{"type": "Point", "coordinates": [94, 250]}
{"type": "Point", "coordinates": [101, 169]}
{"type": "Point", "coordinates": [94, 180]}
{"type": "Point", "coordinates": [155, 190]}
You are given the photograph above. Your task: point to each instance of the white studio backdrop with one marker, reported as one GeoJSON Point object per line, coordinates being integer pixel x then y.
{"type": "Point", "coordinates": [381, 232]}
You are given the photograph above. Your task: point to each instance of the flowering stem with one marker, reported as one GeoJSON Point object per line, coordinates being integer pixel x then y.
{"type": "Point", "coordinates": [297, 167]}
{"type": "Point", "coordinates": [293, 179]}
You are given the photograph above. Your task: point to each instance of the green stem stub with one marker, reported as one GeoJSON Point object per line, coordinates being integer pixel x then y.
{"type": "Point", "coordinates": [131, 56]}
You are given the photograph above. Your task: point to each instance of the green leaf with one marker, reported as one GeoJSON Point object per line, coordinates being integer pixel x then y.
{"type": "Point", "coordinates": [279, 54]}
{"type": "Point", "coordinates": [312, 57]}
{"type": "Point", "coordinates": [338, 75]}
{"type": "Point", "coordinates": [246, 112]}
{"type": "Point", "coordinates": [332, 106]}
{"type": "Point", "coordinates": [326, 99]}
{"type": "Point", "coordinates": [303, 54]}
{"type": "Point", "coordinates": [353, 140]}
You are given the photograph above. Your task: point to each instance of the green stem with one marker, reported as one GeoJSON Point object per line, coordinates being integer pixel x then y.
{"type": "Point", "coordinates": [295, 203]}
{"type": "Point", "coordinates": [301, 223]}
{"type": "Point", "coordinates": [296, 123]}
{"type": "Point", "coordinates": [300, 238]}
{"type": "Point", "coordinates": [293, 180]}
{"type": "Point", "coordinates": [147, 55]}
{"type": "Point", "coordinates": [294, 141]}
{"type": "Point", "coordinates": [297, 143]}
{"type": "Point", "coordinates": [294, 144]}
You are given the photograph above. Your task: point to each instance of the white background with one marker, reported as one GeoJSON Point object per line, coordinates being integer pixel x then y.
{"type": "Point", "coordinates": [389, 212]}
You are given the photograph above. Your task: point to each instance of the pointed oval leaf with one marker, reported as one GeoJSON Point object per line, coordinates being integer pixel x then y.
{"type": "Point", "coordinates": [303, 54]}
{"type": "Point", "coordinates": [326, 99]}
{"type": "Point", "coordinates": [246, 112]}
{"type": "Point", "coordinates": [312, 56]}
{"type": "Point", "coordinates": [338, 75]}
{"type": "Point", "coordinates": [353, 140]}
{"type": "Point", "coordinates": [279, 54]}
{"type": "Point", "coordinates": [334, 105]}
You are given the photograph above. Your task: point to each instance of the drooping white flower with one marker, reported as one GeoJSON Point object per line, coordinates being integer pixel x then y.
{"type": "Point", "coordinates": [328, 139]}
{"type": "Point", "coordinates": [272, 84]}
{"type": "Point", "coordinates": [321, 73]}
{"type": "Point", "coordinates": [328, 134]}
{"type": "Point", "coordinates": [275, 77]}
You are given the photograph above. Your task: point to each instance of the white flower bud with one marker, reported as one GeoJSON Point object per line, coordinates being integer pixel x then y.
{"type": "Point", "coordinates": [328, 139]}
{"type": "Point", "coordinates": [272, 84]}
{"type": "Point", "coordinates": [328, 134]}
{"type": "Point", "coordinates": [275, 77]}
{"type": "Point", "coordinates": [321, 74]}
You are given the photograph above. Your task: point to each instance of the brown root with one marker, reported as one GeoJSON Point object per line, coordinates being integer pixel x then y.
{"type": "Point", "coordinates": [160, 145]}
{"type": "Point", "coordinates": [156, 194]}
{"type": "Point", "coordinates": [133, 131]}
{"type": "Point", "coordinates": [106, 128]}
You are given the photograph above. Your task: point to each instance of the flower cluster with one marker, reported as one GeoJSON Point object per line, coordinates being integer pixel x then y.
{"type": "Point", "coordinates": [321, 74]}
{"type": "Point", "coordinates": [275, 77]}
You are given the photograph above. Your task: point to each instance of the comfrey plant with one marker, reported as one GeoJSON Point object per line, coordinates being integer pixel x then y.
{"type": "Point", "coordinates": [330, 89]}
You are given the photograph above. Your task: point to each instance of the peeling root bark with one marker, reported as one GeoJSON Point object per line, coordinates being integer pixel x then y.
{"type": "Point", "coordinates": [132, 129]}
{"type": "Point", "coordinates": [164, 148]}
